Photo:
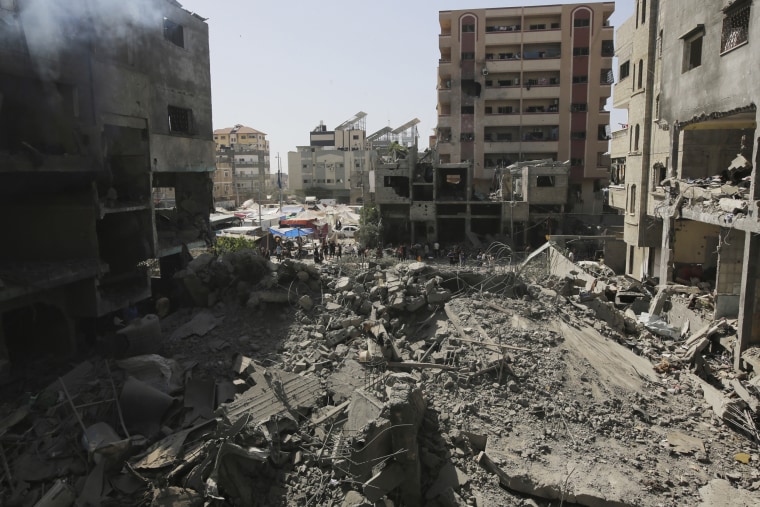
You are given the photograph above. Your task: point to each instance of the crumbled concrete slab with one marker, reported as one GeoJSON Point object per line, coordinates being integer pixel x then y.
{"type": "Point", "coordinates": [276, 392]}
{"type": "Point", "coordinates": [720, 493]}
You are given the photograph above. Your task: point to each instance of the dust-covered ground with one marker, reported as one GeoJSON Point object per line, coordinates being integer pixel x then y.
{"type": "Point", "coordinates": [376, 382]}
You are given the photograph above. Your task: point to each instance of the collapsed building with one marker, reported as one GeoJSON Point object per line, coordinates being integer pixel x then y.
{"type": "Point", "coordinates": [105, 111]}
{"type": "Point", "coordinates": [423, 199]}
{"type": "Point", "coordinates": [684, 174]}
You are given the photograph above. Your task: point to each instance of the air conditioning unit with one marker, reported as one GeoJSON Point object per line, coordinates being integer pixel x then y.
{"type": "Point", "coordinates": [484, 71]}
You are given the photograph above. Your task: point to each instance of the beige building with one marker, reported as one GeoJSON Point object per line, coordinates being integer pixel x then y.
{"type": "Point", "coordinates": [335, 164]}
{"type": "Point", "coordinates": [685, 174]}
{"type": "Point", "coordinates": [528, 83]}
{"type": "Point", "coordinates": [243, 164]}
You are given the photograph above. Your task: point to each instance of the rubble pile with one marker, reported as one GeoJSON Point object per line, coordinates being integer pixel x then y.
{"type": "Point", "coordinates": [361, 384]}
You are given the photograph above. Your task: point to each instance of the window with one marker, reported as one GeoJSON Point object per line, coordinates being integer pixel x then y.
{"type": "Point", "coordinates": [539, 26]}
{"type": "Point", "coordinates": [554, 26]}
{"type": "Point", "coordinates": [602, 132]}
{"type": "Point", "coordinates": [579, 23]}
{"type": "Point", "coordinates": [640, 82]}
{"type": "Point", "coordinates": [630, 260]}
{"type": "Point", "coordinates": [581, 134]}
{"type": "Point", "coordinates": [643, 11]}
{"type": "Point", "coordinates": [180, 120]}
{"type": "Point", "coordinates": [632, 201]}
{"type": "Point", "coordinates": [544, 181]}
{"type": "Point", "coordinates": [174, 33]}
{"type": "Point", "coordinates": [468, 28]}
{"type": "Point", "coordinates": [576, 162]}
{"type": "Point", "coordinates": [636, 132]}
{"type": "Point", "coordinates": [468, 109]}
{"type": "Point", "coordinates": [735, 26]}
{"type": "Point", "coordinates": [580, 79]}
{"type": "Point", "coordinates": [608, 48]}
{"type": "Point", "coordinates": [693, 51]}
{"type": "Point", "coordinates": [580, 51]}
{"type": "Point", "coordinates": [356, 137]}
{"type": "Point", "coordinates": [578, 107]}
{"type": "Point", "coordinates": [469, 55]}
{"type": "Point", "coordinates": [625, 70]}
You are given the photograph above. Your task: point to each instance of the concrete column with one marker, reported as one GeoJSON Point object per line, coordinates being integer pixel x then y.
{"type": "Point", "coordinates": [749, 300]}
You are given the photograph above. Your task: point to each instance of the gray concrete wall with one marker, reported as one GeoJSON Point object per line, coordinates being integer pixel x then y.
{"type": "Point", "coordinates": [721, 82]}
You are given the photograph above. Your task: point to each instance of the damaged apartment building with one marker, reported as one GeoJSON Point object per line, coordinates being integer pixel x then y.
{"type": "Point", "coordinates": [519, 84]}
{"type": "Point", "coordinates": [684, 172]}
{"type": "Point", "coordinates": [105, 159]}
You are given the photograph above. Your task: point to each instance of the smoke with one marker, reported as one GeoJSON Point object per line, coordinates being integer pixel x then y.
{"type": "Point", "coordinates": [55, 27]}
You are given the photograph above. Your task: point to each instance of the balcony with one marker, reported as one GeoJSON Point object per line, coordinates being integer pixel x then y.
{"type": "Point", "coordinates": [501, 120]}
{"type": "Point", "coordinates": [541, 36]}
{"type": "Point", "coordinates": [513, 92]}
{"type": "Point", "coordinates": [503, 38]}
{"type": "Point", "coordinates": [548, 91]}
{"type": "Point", "coordinates": [617, 197]}
{"type": "Point", "coordinates": [501, 147]}
{"type": "Point", "coordinates": [540, 119]}
{"type": "Point", "coordinates": [542, 64]}
{"type": "Point", "coordinates": [543, 146]}
{"type": "Point", "coordinates": [444, 121]}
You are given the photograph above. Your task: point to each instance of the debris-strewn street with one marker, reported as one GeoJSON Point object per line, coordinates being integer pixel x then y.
{"type": "Point", "coordinates": [381, 383]}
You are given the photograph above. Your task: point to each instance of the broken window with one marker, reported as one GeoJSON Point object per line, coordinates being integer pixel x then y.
{"type": "Point", "coordinates": [174, 33]}
{"type": "Point", "coordinates": [608, 48]}
{"type": "Point", "coordinates": [180, 120]}
{"type": "Point", "coordinates": [545, 181]}
{"type": "Point", "coordinates": [576, 162]}
{"type": "Point", "coordinates": [625, 70]}
{"type": "Point", "coordinates": [468, 109]}
{"type": "Point", "coordinates": [735, 26]}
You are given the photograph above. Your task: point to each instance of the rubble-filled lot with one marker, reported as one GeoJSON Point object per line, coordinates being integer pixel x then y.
{"type": "Point", "coordinates": [375, 383]}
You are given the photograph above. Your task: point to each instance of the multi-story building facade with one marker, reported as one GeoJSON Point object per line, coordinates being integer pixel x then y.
{"type": "Point", "coordinates": [90, 127]}
{"type": "Point", "coordinates": [243, 166]}
{"type": "Point", "coordinates": [692, 144]}
{"type": "Point", "coordinates": [528, 83]}
{"type": "Point", "coordinates": [335, 164]}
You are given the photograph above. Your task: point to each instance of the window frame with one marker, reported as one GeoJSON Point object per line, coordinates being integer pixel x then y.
{"type": "Point", "coordinates": [730, 27]}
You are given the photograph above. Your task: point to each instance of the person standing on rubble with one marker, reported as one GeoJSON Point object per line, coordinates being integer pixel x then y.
{"type": "Point", "coordinates": [436, 249]}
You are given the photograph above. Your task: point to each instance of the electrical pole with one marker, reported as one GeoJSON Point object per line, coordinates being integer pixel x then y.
{"type": "Point", "coordinates": [279, 179]}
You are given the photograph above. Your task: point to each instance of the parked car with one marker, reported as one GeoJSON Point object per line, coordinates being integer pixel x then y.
{"type": "Point", "coordinates": [348, 231]}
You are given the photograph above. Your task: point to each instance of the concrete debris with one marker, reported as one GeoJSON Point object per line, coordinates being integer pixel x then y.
{"type": "Point", "coordinates": [397, 383]}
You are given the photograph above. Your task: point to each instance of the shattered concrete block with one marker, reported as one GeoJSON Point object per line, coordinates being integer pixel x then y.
{"type": "Point", "coordinates": [398, 302]}
{"type": "Point", "coordinates": [336, 337]}
{"type": "Point", "coordinates": [306, 302]}
{"type": "Point", "coordinates": [438, 296]}
{"type": "Point", "coordinates": [343, 284]}
{"type": "Point", "coordinates": [303, 276]}
{"type": "Point", "coordinates": [141, 336]}
{"type": "Point", "coordinates": [384, 482]}
{"type": "Point", "coordinates": [415, 303]}
{"type": "Point", "coordinates": [201, 262]}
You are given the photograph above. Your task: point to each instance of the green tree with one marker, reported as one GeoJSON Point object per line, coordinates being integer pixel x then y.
{"type": "Point", "coordinates": [371, 229]}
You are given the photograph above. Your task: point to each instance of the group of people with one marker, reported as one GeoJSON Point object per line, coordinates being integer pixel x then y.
{"type": "Point", "coordinates": [327, 250]}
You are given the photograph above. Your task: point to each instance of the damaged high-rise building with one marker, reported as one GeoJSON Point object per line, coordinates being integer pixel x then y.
{"type": "Point", "coordinates": [517, 84]}
{"type": "Point", "coordinates": [684, 168]}
{"type": "Point", "coordinates": [106, 153]}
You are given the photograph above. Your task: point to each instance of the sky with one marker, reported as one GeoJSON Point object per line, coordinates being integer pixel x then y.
{"type": "Point", "coordinates": [283, 66]}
